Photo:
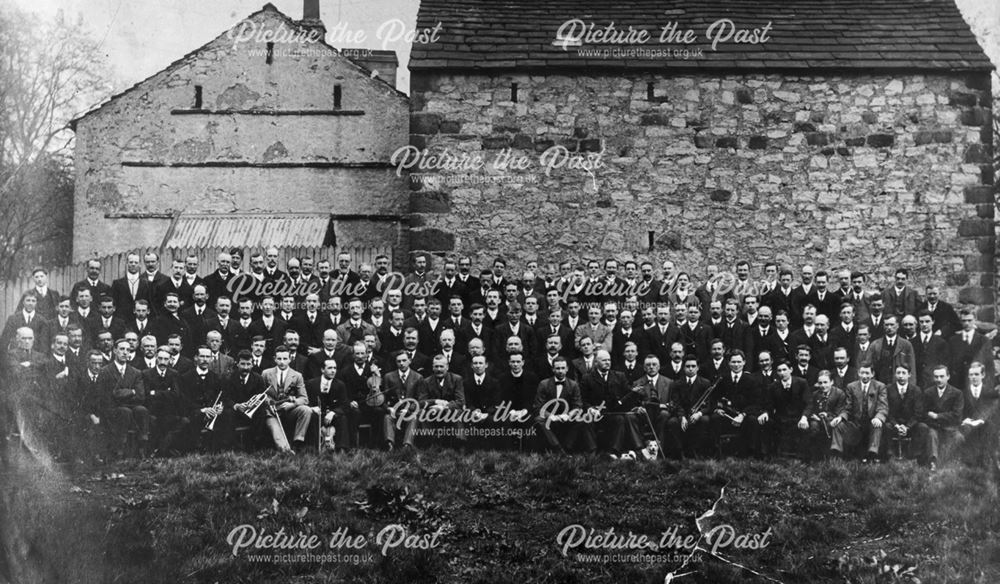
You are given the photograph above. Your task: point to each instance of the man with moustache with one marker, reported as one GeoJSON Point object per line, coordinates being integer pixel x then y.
{"type": "Point", "coordinates": [864, 416]}
{"type": "Point", "coordinates": [554, 396]}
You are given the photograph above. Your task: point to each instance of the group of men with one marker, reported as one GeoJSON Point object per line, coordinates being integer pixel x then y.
{"type": "Point", "coordinates": [587, 359]}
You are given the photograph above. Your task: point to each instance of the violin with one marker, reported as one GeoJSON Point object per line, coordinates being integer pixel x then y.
{"type": "Point", "coordinates": [375, 397]}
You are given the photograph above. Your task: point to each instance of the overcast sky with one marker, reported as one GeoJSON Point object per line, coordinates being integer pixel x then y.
{"type": "Point", "coordinates": [142, 37]}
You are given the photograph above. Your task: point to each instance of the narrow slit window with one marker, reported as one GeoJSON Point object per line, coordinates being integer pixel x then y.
{"type": "Point", "coordinates": [270, 54]}
{"type": "Point", "coordinates": [513, 92]}
{"type": "Point", "coordinates": [649, 91]}
{"type": "Point", "coordinates": [652, 240]}
{"type": "Point", "coordinates": [337, 95]}
{"type": "Point", "coordinates": [197, 97]}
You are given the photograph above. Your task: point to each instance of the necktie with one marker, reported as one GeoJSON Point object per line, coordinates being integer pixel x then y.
{"type": "Point", "coordinates": [281, 379]}
{"type": "Point", "coordinates": [28, 320]}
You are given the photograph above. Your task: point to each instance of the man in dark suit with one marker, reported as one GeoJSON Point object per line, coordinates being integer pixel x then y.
{"type": "Point", "coordinates": [29, 317]}
{"type": "Point", "coordinates": [845, 332]}
{"type": "Point", "coordinates": [108, 320]}
{"type": "Point", "coordinates": [662, 335]}
{"type": "Point", "coordinates": [163, 402]}
{"type": "Point", "coordinates": [609, 390]}
{"type": "Point", "coordinates": [979, 422]}
{"type": "Point", "coordinates": [862, 420]}
{"type": "Point", "coordinates": [515, 327]}
{"type": "Point", "coordinates": [354, 375]}
{"type": "Point", "coordinates": [271, 271]}
{"type": "Point", "coordinates": [967, 346]}
{"type": "Point", "coordinates": [217, 283]}
{"type": "Point", "coordinates": [47, 297]}
{"type": "Point", "coordinates": [482, 395]}
{"type": "Point", "coordinates": [198, 314]}
{"type": "Point", "coordinates": [891, 350]}
{"type": "Point", "coordinates": [270, 326]}
{"type": "Point", "coordinates": [170, 323]}
{"type": "Point", "coordinates": [876, 317]}
{"type": "Point", "coordinates": [828, 403]}
{"type": "Point", "coordinates": [131, 287]}
{"type": "Point", "coordinates": [842, 372]}
{"type": "Point", "coordinates": [821, 345]}
{"type": "Point", "coordinates": [780, 298]}
{"type": "Point", "coordinates": [448, 285]}
{"type": "Point", "coordinates": [456, 360]}
{"type": "Point", "coordinates": [946, 321]}
{"type": "Point", "coordinates": [201, 390]}
{"type": "Point", "coordinates": [900, 299]}
{"type": "Point", "coordinates": [92, 282]}
{"type": "Point", "coordinates": [439, 392]}
{"type": "Point", "coordinates": [760, 336]}
{"type": "Point", "coordinates": [665, 405]}
{"type": "Point", "coordinates": [740, 401]}
{"type": "Point", "coordinates": [328, 400]}
{"type": "Point", "coordinates": [176, 284]}
{"type": "Point", "coordinates": [154, 278]}
{"type": "Point", "coordinates": [939, 417]}
{"type": "Point", "coordinates": [122, 385]}
{"type": "Point", "coordinates": [801, 295]}
{"type": "Point", "coordinates": [827, 303]}
{"type": "Point", "coordinates": [929, 349]}
{"type": "Point", "coordinates": [695, 335]}
{"type": "Point", "coordinates": [789, 402]}
{"type": "Point", "coordinates": [905, 403]}
{"type": "Point", "coordinates": [803, 365]}
{"type": "Point", "coordinates": [557, 409]}
{"type": "Point", "coordinates": [732, 331]}
{"type": "Point", "coordinates": [240, 338]}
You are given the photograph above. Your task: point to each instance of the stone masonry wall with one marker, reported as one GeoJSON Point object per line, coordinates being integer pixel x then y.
{"type": "Point", "coordinates": [872, 172]}
{"type": "Point", "coordinates": [138, 155]}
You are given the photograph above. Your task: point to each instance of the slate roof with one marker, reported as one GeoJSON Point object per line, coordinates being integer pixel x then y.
{"type": "Point", "coordinates": [848, 35]}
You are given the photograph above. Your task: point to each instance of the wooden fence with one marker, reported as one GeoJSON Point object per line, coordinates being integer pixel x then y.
{"type": "Point", "coordinates": [61, 279]}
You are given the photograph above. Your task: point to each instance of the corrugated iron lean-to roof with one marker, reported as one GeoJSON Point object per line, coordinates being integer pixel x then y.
{"type": "Point", "coordinates": [248, 230]}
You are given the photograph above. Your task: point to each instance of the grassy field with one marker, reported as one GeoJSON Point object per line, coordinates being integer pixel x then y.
{"type": "Point", "coordinates": [497, 517]}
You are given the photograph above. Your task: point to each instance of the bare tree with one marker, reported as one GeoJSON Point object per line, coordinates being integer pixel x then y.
{"type": "Point", "coordinates": [50, 72]}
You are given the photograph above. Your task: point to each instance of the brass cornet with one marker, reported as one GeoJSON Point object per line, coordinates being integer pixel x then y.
{"type": "Point", "coordinates": [211, 424]}
{"type": "Point", "coordinates": [250, 406]}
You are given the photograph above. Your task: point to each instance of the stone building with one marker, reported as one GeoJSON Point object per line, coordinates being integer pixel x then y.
{"type": "Point", "coordinates": [266, 119]}
{"type": "Point", "coordinates": [849, 134]}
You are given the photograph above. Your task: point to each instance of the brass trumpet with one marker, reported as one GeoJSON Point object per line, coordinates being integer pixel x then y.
{"type": "Point", "coordinates": [250, 406]}
{"type": "Point", "coordinates": [211, 424]}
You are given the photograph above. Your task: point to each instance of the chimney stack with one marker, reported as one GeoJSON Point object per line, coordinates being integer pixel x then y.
{"type": "Point", "coordinates": [311, 19]}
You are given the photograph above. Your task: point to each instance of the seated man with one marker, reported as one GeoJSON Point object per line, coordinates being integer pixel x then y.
{"type": "Point", "coordinates": [790, 399]}
{"type": "Point", "coordinates": [287, 393]}
{"type": "Point", "coordinates": [558, 408]}
{"type": "Point", "coordinates": [741, 403]}
{"type": "Point", "coordinates": [328, 400]}
{"type": "Point", "coordinates": [399, 384]}
{"type": "Point", "coordinates": [664, 405]}
{"type": "Point", "coordinates": [826, 406]}
{"type": "Point", "coordinates": [163, 402]}
{"type": "Point", "coordinates": [122, 384]}
{"type": "Point", "coordinates": [201, 391]}
{"type": "Point", "coordinates": [978, 425]}
{"type": "Point", "coordinates": [904, 406]}
{"type": "Point", "coordinates": [863, 417]}
{"type": "Point", "coordinates": [245, 395]}
{"type": "Point", "coordinates": [939, 417]}
{"type": "Point", "coordinates": [437, 395]}
{"type": "Point", "coordinates": [621, 406]}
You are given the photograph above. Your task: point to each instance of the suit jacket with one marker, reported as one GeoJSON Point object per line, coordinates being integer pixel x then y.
{"type": "Point", "coordinates": [396, 389]}
{"type": "Point", "coordinates": [850, 375]}
{"type": "Point", "coordinates": [39, 325]}
{"type": "Point", "coordinates": [46, 305]}
{"type": "Point", "coordinates": [485, 397]}
{"type": "Point", "coordinates": [841, 338]}
{"type": "Point", "coordinates": [520, 392]}
{"type": "Point", "coordinates": [238, 392]}
{"type": "Point", "coordinates": [696, 341]}
{"type": "Point", "coordinates": [829, 305]}
{"type": "Point", "coordinates": [822, 351]}
{"type": "Point", "coordinates": [876, 330]}
{"type": "Point", "coordinates": [335, 398]}
{"type": "Point", "coordinates": [96, 291]}
{"type": "Point", "coordinates": [661, 392]}
{"type": "Point", "coordinates": [294, 386]}
{"type": "Point", "coordinates": [904, 409]}
{"type": "Point", "coordinates": [162, 395]}
{"type": "Point", "coordinates": [778, 300]}
{"type": "Point", "coordinates": [166, 325]}
{"type": "Point", "coordinates": [834, 403]}
{"type": "Point", "coordinates": [984, 407]}
{"type": "Point", "coordinates": [184, 293]}
{"type": "Point", "coordinates": [756, 342]}
{"type": "Point", "coordinates": [223, 366]}
{"type": "Point", "coordinates": [546, 392]}
{"type": "Point", "coordinates": [449, 388]}
{"type": "Point", "coordinates": [885, 363]}
{"type": "Point", "coordinates": [733, 336]}
{"type": "Point", "coordinates": [790, 404]}
{"type": "Point", "coordinates": [945, 318]}
{"type": "Point", "coordinates": [217, 286]}
{"type": "Point", "coordinates": [615, 392]}
{"type": "Point", "coordinates": [900, 304]}
{"type": "Point", "coordinates": [599, 333]}
{"type": "Point", "coordinates": [687, 394]}
{"type": "Point", "coordinates": [962, 355]}
{"type": "Point", "coordinates": [357, 385]}
{"type": "Point", "coordinates": [195, 393]}
{"type": "Point", "coordinates": [929, 355]}
{"type": "Point", "coordinates": [197, 325]}
{"type": "Point", "coordinates": [658, 342]}
{"type": "Point", "coordinates": [311, 333]}
{"type": "Point", "coordinates": [109, 380]}
{"type": "Point", "coordinates": [948, 407]}
{"type": "Point", "coordinates": [861, 411]}
{"type": "Point", "coordinates": [747, 395]}
{"type": "Point", "coordinates": [122, 295]}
